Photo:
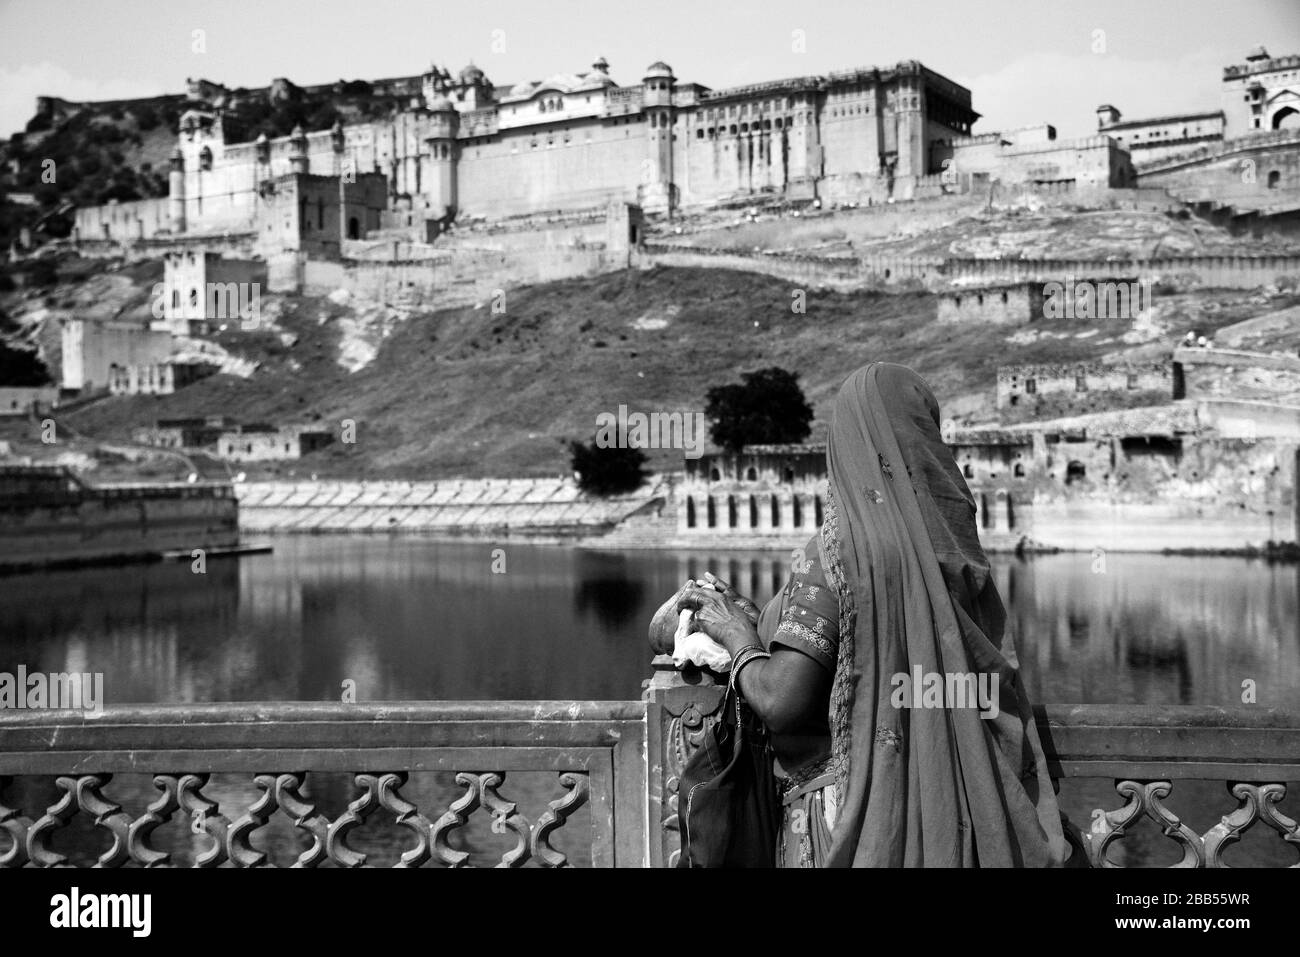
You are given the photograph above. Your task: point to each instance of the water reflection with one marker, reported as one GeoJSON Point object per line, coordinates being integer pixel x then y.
{"type": "Point", "coordinates": [609, 589]}
{"type": "Point", "coordinates": [413, 619]}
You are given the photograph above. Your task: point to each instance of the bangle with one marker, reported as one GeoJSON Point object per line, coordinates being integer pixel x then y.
{"type": "Point", "coordinates": [743, 657]}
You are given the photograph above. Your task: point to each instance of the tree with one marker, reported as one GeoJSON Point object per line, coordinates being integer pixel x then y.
{"type": "Point", "coordinates": [607, 471]}
{"type": "Point", "coordinates": [767, 406]}
{"type": "Point", "coordinates": [146, 118]}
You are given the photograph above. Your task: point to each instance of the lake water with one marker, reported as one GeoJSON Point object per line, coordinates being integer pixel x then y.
{"type": "Point", "coordinates": [406, 618]}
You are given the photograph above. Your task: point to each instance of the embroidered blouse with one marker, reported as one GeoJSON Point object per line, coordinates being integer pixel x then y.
{"type": "Point", "coordinates": [805, 615]}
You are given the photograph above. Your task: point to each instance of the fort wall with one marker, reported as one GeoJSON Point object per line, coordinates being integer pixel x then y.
{"type": "Point", "coordinates": [122, 222]}
{"type": "Point", "coordinates": [1081, 385]}
{"type": "Point", "coordinates": [1226, 272]}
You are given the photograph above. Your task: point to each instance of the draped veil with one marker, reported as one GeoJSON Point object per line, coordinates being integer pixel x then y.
{"type": "Point", "coordinates": [934, 787]}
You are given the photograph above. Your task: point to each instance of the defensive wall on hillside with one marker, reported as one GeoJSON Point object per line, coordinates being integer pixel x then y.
{"type": "Point", "coordinates": [427, 273]}
{"type": "Point", "coordinates": [844, 272]}
{"type": "Point", "coordinates": [1272, 145]}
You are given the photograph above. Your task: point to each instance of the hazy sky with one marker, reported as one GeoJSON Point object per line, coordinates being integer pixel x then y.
{"type": "Point", "coordinates": [1025, 61]}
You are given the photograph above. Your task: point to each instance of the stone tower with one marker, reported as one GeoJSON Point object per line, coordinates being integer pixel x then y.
{"type": "Point", "coordinates": [655, 190]}
{"type": "Point", "coordinates": [909, 120]}
{"type": "Point", "coordinates": [441, 142]}
{"type": "Point", "coordinates": [1107, 116]}
{"type": "Point", "coordinates": [176, 191]}
{"type": "Point", "coordinates": [298, 162]}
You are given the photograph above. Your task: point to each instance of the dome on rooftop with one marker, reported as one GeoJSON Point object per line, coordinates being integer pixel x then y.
{"type": "Point", "coordinates": [563, 82]}
{"type": "Point", "coordinates": [471, 74]}
{"type": "Point", "coordinates": [657, 69]}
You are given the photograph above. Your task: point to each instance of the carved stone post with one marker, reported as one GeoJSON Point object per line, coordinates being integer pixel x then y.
{"type": "Point", "coordinates": [689, 700]}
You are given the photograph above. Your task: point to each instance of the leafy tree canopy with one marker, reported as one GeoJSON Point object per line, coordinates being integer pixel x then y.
{"type": "Point", "coordinates": [766, 406]}
{"type": "Point", "coordinates": [607, 471]}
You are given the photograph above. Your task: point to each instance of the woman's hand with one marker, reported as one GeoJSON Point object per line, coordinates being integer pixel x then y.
{"type": "Point", "coordinates": [745, 605]}
{"type": "Point", "coordinates": [663, 626]}
{"type": "Point", "coordinates": [720, 618]}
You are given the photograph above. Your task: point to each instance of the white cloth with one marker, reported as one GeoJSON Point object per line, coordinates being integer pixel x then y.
{"type": "Point", "coordinates": [697, 647]}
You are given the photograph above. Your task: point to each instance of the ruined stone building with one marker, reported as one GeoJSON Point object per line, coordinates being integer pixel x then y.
{"type": "Point", "coordinates": [1082, 387]}
{"type": "Point", "coordinates": [95, 350]}
{"type": "Point", "coordinates": [764, 490]}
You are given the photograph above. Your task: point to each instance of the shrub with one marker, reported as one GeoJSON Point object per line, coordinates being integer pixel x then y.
{"type": "Point", "coordinates": [607, 471]}
{"type": "Point", "coordinates": [767, 406]}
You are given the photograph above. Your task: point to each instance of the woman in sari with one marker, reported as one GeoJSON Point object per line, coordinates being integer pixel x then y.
{"type": "Point", "coordinates": [895, 584]}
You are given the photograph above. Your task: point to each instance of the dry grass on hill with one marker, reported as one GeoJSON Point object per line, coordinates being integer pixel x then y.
{"type": "Point", "coordinates": [468, 393]}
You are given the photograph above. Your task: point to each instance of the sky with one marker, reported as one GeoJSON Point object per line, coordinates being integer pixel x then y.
{"type": "Point", "coordinates": [1025, 61]}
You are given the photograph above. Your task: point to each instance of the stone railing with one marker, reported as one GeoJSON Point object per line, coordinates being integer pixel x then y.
{"type": "Point", "coordinates": [611, 766]}
{"type": "Point", "coordinates": [594, 752]}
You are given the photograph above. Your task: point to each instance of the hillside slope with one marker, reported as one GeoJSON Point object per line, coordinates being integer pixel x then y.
{"type": "Point", "coordinates": [468, 393]}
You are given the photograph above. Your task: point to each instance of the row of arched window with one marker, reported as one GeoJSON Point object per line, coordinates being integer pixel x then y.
{"type": "Point", "coordinates": [745, 511]}
{"type": "Point", "coordinates": [715, 131]}
{"type": "Point", "coordinates": [1017, 470]}
{"type": "Point", "coordinates": [991, 505]}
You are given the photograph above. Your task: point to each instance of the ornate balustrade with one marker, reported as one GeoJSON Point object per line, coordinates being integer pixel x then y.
{"type": "Point", "coordinates": [616, 762]}
{"type": "Point", "coordinates": [596, 752]}
{"type": "Point", "coordinates": [1143, 749]}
